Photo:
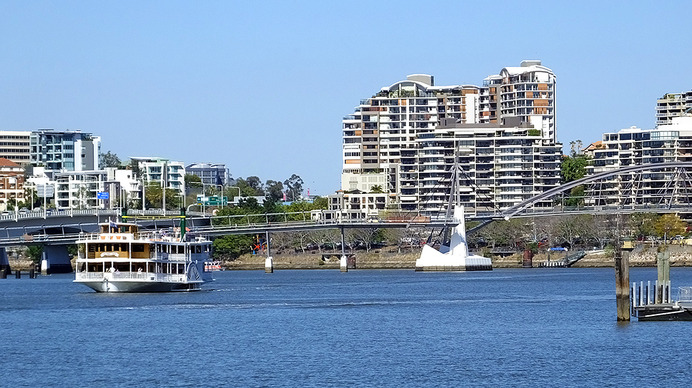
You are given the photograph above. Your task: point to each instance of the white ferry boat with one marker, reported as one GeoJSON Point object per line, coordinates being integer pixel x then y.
{"type": "Point", "coordinates": [120, 258]}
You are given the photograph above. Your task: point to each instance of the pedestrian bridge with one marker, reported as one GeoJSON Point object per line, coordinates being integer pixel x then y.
{"type": "Point", "coordinates": [658, 188]}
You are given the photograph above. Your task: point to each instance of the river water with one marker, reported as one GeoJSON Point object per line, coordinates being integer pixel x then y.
{"type": "Point", "coordinates": [512, 327]}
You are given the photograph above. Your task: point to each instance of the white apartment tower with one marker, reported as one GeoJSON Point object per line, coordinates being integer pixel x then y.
{"type": "Point", "coordinates": [633, 147]}
{"type": "Point", "coordinates": [390, 121]}
{"type": "Point", "coordinates": [382, 143]}
{"type": "Point", "coordinates": [502, 165]}
{"type": "Point", "coordinates": [526, 92]}
{"type": "Point", "coordinates": [673, 105]}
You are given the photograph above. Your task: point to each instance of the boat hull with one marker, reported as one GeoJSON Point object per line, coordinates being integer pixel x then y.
{"type": "Point", "coordinates": [139, 286]}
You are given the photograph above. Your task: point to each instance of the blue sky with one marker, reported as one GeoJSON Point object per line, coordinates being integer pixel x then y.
{"type": "Point", "coordinates": [262, 86]}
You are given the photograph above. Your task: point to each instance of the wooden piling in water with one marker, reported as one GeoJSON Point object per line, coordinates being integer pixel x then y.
{"type": "Point", "coordinates": [622, 284]}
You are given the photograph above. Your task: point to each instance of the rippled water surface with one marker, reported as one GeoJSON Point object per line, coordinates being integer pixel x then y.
{"type": "Point", "coordinates": [545, 327]}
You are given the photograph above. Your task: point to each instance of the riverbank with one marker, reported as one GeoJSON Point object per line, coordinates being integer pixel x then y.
{"type": "Point", "coordinates": [390, 258]}
{"type": "Point", "coordinates": [680, 256]}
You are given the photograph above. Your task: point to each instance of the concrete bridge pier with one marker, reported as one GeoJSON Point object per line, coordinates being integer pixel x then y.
{"type": "Point", "coordinates": [4, 262]}
{"type": "Point", "coordinates": [343, 262]}
{"type": "Point", "coordinates": [269, 261]}
{"type": "Point", "coordinates": [55, 260]}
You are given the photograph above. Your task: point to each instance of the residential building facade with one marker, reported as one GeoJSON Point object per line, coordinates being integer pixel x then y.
{"type": "Point", "coordinates": [389, 122]}
{"type": "Point", "coordinates": [633, 147]}
{"type": "Point", "coordinates": [387, 140]}
{"type": "Point", "coordinates": [14, 146]}
{"type": "Point", "coordinates": [11, 183]}
{"type": "Point", "coordinates": [122, 187]}
{"type": "Point", "coordinates": [214, 174]}
{"type": "Point", "coordinates": [79, 189]}
{"type": "Point", "coordinates": [673, 105]}
{"type": "Point", "coordinates": [356, 206]}
{"type": "Point", "coordinates": [64, 150]}
{"type": "Point", "coordinates": [167, 173]}
{"type": "Point", "coordinates": [526, 92]}
{"type": "Point", "coordinates": [502, 165]}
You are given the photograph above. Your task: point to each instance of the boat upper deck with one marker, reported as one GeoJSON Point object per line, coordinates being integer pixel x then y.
{"type": "Point", "coordinates": [129, 233]}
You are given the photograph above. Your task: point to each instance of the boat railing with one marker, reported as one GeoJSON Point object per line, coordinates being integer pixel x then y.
{"type": "Point", "coordinates": [151, 236]}
{"type": "Point", "coordinates": [144, 276]}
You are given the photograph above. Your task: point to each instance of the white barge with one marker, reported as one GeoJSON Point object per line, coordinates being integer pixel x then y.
{"type": "Point", "coordinates": [120, 258]}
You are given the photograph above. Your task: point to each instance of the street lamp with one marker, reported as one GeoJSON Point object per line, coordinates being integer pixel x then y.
{"type": "Point", "coordinates": [235, 187]}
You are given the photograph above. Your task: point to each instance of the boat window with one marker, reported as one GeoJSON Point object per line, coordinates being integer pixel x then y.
{"type": "Point", "coordinates": [198, 249]}
{"type": "Point", "coordinates": [92, 248]}
{"type": "Point", "coordinates": [181, 249]}
{"type": "Point", "coordinates": [137, 247]}
{"type": "Point", "coordinates": [109, 248]}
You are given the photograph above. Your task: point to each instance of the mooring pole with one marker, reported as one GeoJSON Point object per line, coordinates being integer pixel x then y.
{"type": "Point", "coordinates": [622, 278]}
{"type": "Point", "coordinates": [663, 269]}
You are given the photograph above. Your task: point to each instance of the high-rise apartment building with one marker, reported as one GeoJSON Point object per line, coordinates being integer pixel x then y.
{"type": "Point", "coordinates": [502, 165]}
{"type": "Point", "coordinates": [526, 92]}
{"type": "Point", "coordinates": [634, 146]}
{"type": "Point", "coordinates": [14, 146]}
{"type": "Point", "coordinates": [673, 105]}
{"type": "Point", "coordinates": [383, 139]}
{"type": "Point", "coordinates": [390, 121]}
{"type": "Point", "coordinates": [64, 150]}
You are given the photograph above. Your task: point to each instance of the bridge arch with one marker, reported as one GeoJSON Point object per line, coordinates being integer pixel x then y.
{"type": "Point", "coordinates": [679, 180]}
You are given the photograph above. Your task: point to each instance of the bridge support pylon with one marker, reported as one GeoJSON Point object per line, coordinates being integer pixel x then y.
{"type": "Point", "coordinates": [55, 259]}
{"type": "Point", "coordinates": [269, 265]}
{"type": "Point", "coordinates": [269, 261]}
{"type": "Point", "coordinates": [343, 262]}
{"type": "Point", "coordinates": [4, 262]}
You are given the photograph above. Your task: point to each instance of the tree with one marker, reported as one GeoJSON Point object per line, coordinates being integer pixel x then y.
{"type": "Point", "coordinates": [109, 159]}
{"type": "Point", "coordinates": [576, 196]}
{"type": "Point", "coordinates": [670, 225]}
{"type": "Point", "coordinates": [320, 203]}
{"type": "Point", "coordinates": [574, 167]}
{"type": "Point", "coordinates": [575, 147]}
{"type": "Point", "coordinates": [294, 187]}
{"type": "Point", "coordinates": [274, 190]}
{"type": "Point", "coordinates": [376, 189]}
{"type": "Point", "coordinates": [192, 180]}
{"type": "Point", "coordinates": [34, 252]}
{"type": "Point", "coordinates": [154, 197]}
{"type": "Point", "coordinates": [644, 224]}
{"type": "Point", "coordinates": [250, 187]}
{"type": "Point", "coordinates": [571, 228]}
{"type": "Point", "coordinates": [256, 184]}
{"type": "Point", "coordinates": [232, 246]}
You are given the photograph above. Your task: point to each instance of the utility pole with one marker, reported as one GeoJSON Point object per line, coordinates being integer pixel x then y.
{"type": "Point", "coordinates": [163, 181]}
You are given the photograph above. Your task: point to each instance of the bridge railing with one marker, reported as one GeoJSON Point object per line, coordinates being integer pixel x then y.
{"type": "Point", "coordinates": [53, 213]}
